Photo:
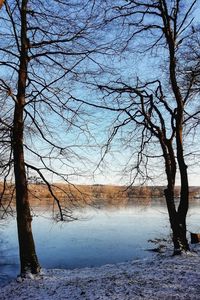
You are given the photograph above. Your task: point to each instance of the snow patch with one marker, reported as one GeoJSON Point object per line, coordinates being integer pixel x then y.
{"type": "Point", "coordinates": [163, 277]}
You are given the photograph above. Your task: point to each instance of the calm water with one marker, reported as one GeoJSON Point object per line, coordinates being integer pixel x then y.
{"type": "Point", "coordinates": [101, 236]}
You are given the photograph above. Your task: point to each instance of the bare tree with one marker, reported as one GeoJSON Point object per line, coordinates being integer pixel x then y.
{"type": "Point", "coordinates": [45, 49]}
{"type": "Point", "coordinates": [153, 122]}
{"type": "Point", "coordinates": [158, 105]}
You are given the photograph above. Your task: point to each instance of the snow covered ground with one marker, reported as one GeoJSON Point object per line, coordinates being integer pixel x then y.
{"type": "Point", "coordinates": [163, 277]}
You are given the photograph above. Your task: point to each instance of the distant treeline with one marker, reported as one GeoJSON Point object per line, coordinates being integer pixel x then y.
{"type": "Point", "coordinates": [81, 195]}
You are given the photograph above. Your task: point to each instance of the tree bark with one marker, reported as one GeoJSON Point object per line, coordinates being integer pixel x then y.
{"type": "Point", "coordinates": [28, 257]}
{"type": "Point", "coordinates": [170, 35]}
{"type": "Point", "coordinates": [170, 169]}
{"type": "Point", "coordinates": [177, 218]}
{"type": "Point", "coordinates": [184, 195]}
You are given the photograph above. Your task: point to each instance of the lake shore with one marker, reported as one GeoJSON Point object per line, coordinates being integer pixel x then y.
{"type": "Point", "coordinates": [163, 277]}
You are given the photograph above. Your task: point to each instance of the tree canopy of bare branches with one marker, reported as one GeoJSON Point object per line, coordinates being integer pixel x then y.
{"type": "Point", "coordinates": [46, 47]}
{"type": "Point", "coordinates": [154, 106]}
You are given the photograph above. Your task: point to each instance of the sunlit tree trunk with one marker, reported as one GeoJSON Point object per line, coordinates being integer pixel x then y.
{"type": "Point", "coordinates": [28, 258]}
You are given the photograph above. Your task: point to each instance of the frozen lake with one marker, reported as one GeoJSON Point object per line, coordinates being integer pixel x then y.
{"type": "Point", "coordinates": [100, 236]}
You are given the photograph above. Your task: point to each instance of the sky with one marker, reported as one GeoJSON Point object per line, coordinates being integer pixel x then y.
{"type": "Point", "coordinates": [85, 149]}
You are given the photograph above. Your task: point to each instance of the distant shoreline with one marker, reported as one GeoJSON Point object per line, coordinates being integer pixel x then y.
{"type": "Point", "coordinates": [81, 195]}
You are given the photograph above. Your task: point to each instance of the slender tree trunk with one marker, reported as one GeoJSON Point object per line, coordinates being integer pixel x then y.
{"type": "Point", "coordinates": [177, 218]}
{"type": "Point", "coordinates": [184, 195]}
{"type": "Point", "coordinates": [28, 258]}
{"type": "Point", "coordinates": [169, 196]}
{"type": "Point", "coordinates": [183, 206]}
{"type": "Point", "coordinates": [170, 169]}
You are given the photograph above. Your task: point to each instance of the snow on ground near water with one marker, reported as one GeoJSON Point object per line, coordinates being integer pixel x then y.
{"type": "Point", "coordinates": [163, 277]}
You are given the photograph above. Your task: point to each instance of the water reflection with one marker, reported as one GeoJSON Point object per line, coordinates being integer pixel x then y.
{"type": "Point", "coordinates": [100, 236]}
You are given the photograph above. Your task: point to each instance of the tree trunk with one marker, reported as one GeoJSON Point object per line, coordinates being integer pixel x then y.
{"type": "Point", "coordinates": [183, 206]}
{"type": "Point", "coordinates": [179, 234]}
{"type": "Point", "coordinates": [170, 168]}
{"type": "Point", "coordinates": [28, 258]}
{"type": "Point", "coordinates": [177, 218]}
{"type": "Point", "coordinates": [184, 196]}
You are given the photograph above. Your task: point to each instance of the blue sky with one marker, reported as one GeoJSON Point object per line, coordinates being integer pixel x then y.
{"type": "Point", "coordinates": [89, 147]}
